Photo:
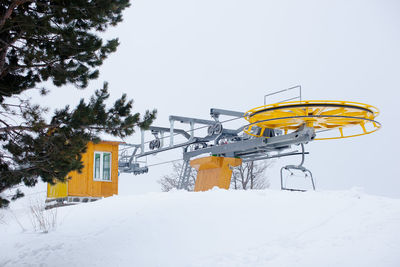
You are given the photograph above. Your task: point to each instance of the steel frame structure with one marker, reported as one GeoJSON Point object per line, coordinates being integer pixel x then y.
{"type": "Point", "coordinates": [219, 142]}
{"type": "Point", "coordinates": [272, 132]}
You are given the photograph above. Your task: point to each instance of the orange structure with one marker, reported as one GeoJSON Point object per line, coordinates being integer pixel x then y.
{"type": "Point", "coordinates": [214, 171]}
{"type": "Point", "coordinates": [99, 176]}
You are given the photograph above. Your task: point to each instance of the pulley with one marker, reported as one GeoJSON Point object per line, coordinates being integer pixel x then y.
{"type": "Point", "coordinates": [215, 129]}
{"type": "Point", "coordinates": [322, 115]}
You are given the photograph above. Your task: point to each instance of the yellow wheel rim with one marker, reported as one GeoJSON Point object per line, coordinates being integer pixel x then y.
{"type": "Point", "coordinates": [322, 115]}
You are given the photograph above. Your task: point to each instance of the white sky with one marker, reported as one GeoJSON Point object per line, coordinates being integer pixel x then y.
{"type": "Point", "coordinates": [184, 57]}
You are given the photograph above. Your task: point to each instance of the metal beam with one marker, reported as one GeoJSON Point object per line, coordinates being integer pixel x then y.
{"type": "Point", "coordinates": [304, 135]}
{"type": "Point", "coordinates": [165, 129]}
{"type": "Point", "coordinates": [217, 112]}
{"type": "Point", "coordinates": [227, 148]}
{"type": "Point", "coordinates": [191, 120]}
{"type": "Point", "coordinates": [275, 156]}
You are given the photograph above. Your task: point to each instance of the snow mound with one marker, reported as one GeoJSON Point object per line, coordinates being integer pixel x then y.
{"type": "Point", "coordinates": [216, 228]}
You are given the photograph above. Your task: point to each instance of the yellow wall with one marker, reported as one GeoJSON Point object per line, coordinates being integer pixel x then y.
{"type": "Point", "coordinates": [213, 171]}
{"type": "Point", "coordinates": [57, 190]}
{"type": "Point", "coordinates": [82, 184]}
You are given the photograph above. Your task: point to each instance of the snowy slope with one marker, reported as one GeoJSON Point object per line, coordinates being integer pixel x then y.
{"type": "Point", "coordinates": [215, 228]}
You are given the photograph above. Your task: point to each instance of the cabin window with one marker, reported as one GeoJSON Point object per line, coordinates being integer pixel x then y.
{"type": "Point", "coordinates": [102, 166]}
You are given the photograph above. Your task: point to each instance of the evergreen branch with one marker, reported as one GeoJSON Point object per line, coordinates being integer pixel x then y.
{"type": "Point", "coordinates": [10, 10]}
{"type": "Point", "coordinates": [57, 41]}
{"type": "Point", "coordinates": [46, 64]}
{"type": "Point", "coordinates": [3, 54]}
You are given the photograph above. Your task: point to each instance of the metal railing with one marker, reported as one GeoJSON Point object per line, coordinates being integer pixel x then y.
{"type": "Point", "coordinates": [285, 90]}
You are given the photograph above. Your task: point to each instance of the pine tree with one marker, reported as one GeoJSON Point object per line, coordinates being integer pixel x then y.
{"type": "Point", "coordinates": [55, 40]}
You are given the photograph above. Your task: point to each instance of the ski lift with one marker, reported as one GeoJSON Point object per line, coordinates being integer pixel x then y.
{"type": "Point", "coordinates": [271, 129]}
{"type": "Point", "coordinates": [294, 169]}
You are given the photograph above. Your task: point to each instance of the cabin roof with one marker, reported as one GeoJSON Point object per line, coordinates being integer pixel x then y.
{"type": "Point", "coordinates": [109, 142]}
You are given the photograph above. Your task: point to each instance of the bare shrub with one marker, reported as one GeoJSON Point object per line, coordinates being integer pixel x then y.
{"type": "Point", "coordinates": [42, 220]}
{"type": "Point", "coordinates": [17, 220]}
{"type": "Point", "coordinates": [250, 175]}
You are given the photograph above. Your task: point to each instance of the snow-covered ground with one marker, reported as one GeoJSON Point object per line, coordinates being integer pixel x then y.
{"type": "Point", "coordinates": [214, 228]}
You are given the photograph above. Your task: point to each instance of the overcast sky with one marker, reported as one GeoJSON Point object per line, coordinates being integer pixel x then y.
{"type": "Point", "coordinates": [184, 57]}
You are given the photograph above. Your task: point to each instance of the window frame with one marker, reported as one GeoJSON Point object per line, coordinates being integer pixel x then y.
{"type": "Point", "coordinates": [101, 153]}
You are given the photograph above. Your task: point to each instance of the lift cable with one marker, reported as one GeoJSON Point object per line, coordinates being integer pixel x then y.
{"type": "Point", "coordinates": [164, 162]}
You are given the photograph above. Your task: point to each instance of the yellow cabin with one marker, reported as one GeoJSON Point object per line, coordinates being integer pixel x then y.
{"type": "Point", "coordinates": [99, 176]}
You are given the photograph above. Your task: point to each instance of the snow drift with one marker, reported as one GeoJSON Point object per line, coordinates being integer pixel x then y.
{"type": "Point", "coordinates": [215, 228]}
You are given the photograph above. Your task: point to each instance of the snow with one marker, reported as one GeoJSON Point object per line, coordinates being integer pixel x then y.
{"type": "Point", "coordinates": [214, 228]}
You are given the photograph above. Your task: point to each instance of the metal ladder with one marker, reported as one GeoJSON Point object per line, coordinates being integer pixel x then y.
{"type": "Point", "coordinates": [185, 175]}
